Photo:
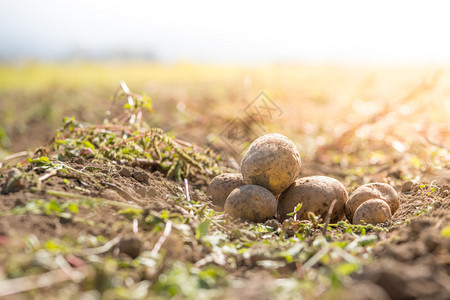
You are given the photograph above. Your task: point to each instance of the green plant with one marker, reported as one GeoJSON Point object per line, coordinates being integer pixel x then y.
{"type": "Point", "coordinates": [131, 140]}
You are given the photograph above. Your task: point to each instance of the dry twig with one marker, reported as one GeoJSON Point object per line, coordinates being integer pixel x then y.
{"type": "Point", "coordinates": [162, 239]}
{"type": "Point", "coordinates": [48, 175]}
{"type": "Point", "coordinates": [186, 190]}
{"type": "Point", "coordinates": [28, 283]}
{"type": "Point", "coordinates": [327, 219]}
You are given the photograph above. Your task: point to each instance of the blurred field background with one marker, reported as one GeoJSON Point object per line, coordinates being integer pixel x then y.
{"type": "Point", "coordinates": [355, 118]}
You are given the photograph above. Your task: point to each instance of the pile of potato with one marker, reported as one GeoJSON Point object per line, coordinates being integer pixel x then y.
{"type": "Point", "coordinates": [268, 187]}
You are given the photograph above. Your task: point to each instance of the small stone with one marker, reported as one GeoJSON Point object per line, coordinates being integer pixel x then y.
{"type": "Point", "coordinates": [77, 160]}
{"type": "Point", "coordinates": [407, 186]}
{"type": "Point", "coordinates": [142, 191]}
{"type": "Point", "coordinates": [195, 195]}
{"type": "Point", "coordinates": [14, 172]}
{"type": "Point", "coordinates": [273, 223]}
{"type": "Point", "coordinates": [130, 246]}
{"type": "Point", "coordinates": [125, 172]}
{"type": "Point", "coordinates": [14, 181]}
{"type": "Point", "coordinates": [140, 175]}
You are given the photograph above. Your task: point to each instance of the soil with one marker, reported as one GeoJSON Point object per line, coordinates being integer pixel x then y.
{"type": "Point", "coordinates": [412, 262]}
{"type": "Point", "coordinates": [131, 185]}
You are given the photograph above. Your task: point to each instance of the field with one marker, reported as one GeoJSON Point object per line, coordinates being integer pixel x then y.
{"type": "Point", "coordinates": [103, 189]}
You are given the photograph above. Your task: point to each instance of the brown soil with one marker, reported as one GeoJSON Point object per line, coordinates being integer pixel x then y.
{"type": "Point", "coordinates": [131, 185]}
{"type": "Point", "coordinates": [413, 261]}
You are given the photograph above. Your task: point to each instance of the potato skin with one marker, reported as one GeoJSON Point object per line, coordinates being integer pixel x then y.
{"type": "Point", "coordinates": [372, 211]}
{"type": "Point", "coordinates": [368, 191]}
{"type": "Point", "coordinates": [221, 186]}
{"type": "Point", "coordinates": [272, 161]}
{"type": "Point", "coordinates": [316, 193]}
{"type": "Point", "coordinates": [251, 202]}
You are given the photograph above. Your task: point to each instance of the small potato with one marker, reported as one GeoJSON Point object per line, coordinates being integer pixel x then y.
{"type": "Point", "coordinates": [316, 193]}
{"type": "Point", "coordinates": [222, 185]}
{"type": "Point", "coordinates": [272, 161]}
{"type": "Point", "coordinates": [372, 211]}
{"type": "Point", "coordinates": [368, 191]}
{"type": "Point", "coordinates": [251, 202]}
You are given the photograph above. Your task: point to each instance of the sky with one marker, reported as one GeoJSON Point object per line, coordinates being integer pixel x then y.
{"type": "Point", "coordinates": [389, 32]}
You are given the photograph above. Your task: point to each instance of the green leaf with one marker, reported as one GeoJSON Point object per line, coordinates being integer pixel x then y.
{"type": "Point", "coordinates": [73, 207]}
{"type": "Point", "coordinates": [296, 209]}
{"type": "Point", "coordinates": [53, 206]}
{"type": "Point", "coordinates": [130, 212]}
{"type": "Point", "coordinates": [363, 230]}
{"type": "Point", "coordinates": [346, 269]}
{"type": "Point", "coordinates": [54, 246]}
{"type": "Point", "coordinates": [202, 229]}
{"type": "Point", "coordinates": [164, 215]}
{"type": "Point", "coordinates": [43, 160]}
{"type": "Point", "coordinates": [88, 145]}
{"type": "Point", "coordinates": [445, 232]}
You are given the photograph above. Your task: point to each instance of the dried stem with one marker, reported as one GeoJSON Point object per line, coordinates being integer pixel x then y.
{"type": "Point", "coordinates": [135, 226]}
{"type": "Point", "coordinates": [186, 190]}
{"type": "Point", "coordinates": [48, 175]}
{"type": "Point", "coordinates": [99, 250]}
{"type": "Point", "coordinates": [162, 239]}
{"type": "Point", "coordinates": [327, 219]}
{"type": "Point", "coordinates": [28, 283]}
{"type": "Point", "coordinates": [18, 155]}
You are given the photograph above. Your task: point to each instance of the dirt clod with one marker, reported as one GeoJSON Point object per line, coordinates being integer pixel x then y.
{"type": "Point", "coordinates": [130, 246]}
{"type": "Point", "coordinates": [140, 175]}
{"type": "Point", "coordinates": [407, 186]}
{"type": "Point", "coordinates": [14, 181]}
{"type": "Point", "coordinates": [126, 172]}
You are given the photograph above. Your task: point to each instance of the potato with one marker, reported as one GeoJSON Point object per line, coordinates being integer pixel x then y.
{"type": "Point", "coordinates": [316, 193]}
{"type": "Point", "coordinates": [251, 202]}
{"type": "Point", "coordinates": [368, 191]}
{"type": "Point", "coordinates": [372, 211]}
{"type": "Point", "coordinates": [221, 186]}
{"type": "Point", "coordinates": [272, 161]}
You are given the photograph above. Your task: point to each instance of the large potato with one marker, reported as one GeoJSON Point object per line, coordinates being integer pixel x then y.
{"type": "Point", "coordinates": [251, 202]}
{"type": "Point", "coordinates": [272, 161]}
{"type": "Point", "coordinates": [368, 191]}
{"type": "Point", "coordinates": [372, 211]}
{"type": "Point", "coordinates": [316, 193]}
{"type": "Point", "coordinates": [221, 186]}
